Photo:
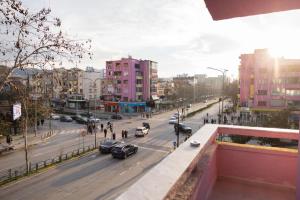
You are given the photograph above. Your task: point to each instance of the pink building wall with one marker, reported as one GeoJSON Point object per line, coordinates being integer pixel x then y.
{"type": "Point", "coordinates": [261, 72]}
{"type": "Point", "coordinates": [130, 73]}
{"type": "Point", "coordinates": [267, 166]}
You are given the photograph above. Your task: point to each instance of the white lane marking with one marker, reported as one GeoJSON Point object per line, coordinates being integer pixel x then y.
{"type": "Point", "coordinates": [152, 149]}
{"type": "Point", "coordinates": [37, 154]}
{"type": "Point", "coordinates": [123, 172]}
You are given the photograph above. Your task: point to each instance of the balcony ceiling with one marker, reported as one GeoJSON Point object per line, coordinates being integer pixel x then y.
{"type": "Point", "coordinates": [226, 9]}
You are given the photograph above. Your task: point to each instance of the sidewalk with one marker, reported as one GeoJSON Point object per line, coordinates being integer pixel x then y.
{"type": "Point", "coordinates": [43, 133]}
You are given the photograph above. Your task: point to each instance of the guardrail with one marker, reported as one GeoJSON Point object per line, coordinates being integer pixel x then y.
{"type": "Point", "coordinates": [9, 175]}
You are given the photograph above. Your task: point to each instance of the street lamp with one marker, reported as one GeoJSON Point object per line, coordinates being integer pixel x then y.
{"type": "Point", "coordinates": [223, 71]}
{"type": "Point", "coordinates": [94, 81]}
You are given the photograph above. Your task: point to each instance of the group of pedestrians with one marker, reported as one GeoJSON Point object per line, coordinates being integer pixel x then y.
{"type": "Point", "coordinates": [109, 126]}
{"type": "Point", "coordinates": [91, 127]}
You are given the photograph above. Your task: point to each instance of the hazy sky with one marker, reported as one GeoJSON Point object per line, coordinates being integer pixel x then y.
{"type": "Point", "coordinates": [179, 34]}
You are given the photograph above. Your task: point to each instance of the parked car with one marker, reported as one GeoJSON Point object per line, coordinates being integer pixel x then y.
{"type": "Point", "coordinates": [107, 145]}
{"type": "Point", "coordinates": [123, 150]}
{"type": "Point", "coordinates": [66, 118]}
{"type": "Point", "coordinates": [141, 131]}
{"type": "Point", "coordinates": [177, 115]}
{"type": "Point", "coordinates": [6, 147]}
{"type": "Point", "coordinates": [173, 120]}
{"type": "Point", "coordinates": [54, 116]}
{"type": "Point", "coordinates": [82, 120]}
{"type": "Point", "coordinates": [75, 117]}
{"type": "Point", "coordinates": [182, 128]}
{"type": "Point", "coordinates": [146, 124]}
{"type": "Point", "coordinates": [93, 119]}
{"type": "Point", "coordinates": [118, 117]}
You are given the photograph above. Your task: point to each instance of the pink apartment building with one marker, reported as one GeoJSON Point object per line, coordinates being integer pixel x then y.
{"type": "Point", "coordinates": [130, 80]}
{"type": "Point", "coordinates": [267, 83]}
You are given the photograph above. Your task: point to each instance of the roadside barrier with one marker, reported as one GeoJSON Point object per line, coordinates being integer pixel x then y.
{"type": "Point", "coordinates": [16, 173]}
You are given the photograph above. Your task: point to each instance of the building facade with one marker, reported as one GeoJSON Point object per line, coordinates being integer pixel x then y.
{"type": "Point", "coordinates": [267, 83]}
{"type": "Point", "coordinates": [130, 80]}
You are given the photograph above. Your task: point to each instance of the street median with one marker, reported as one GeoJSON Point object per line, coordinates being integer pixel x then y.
{"type": "Point", "coordinates": [201, 109]}
{"type": "Point", "coordinates": [10, 175]}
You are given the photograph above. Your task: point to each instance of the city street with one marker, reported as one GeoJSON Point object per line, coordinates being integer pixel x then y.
{"type": "Point", "coordinates": [96, 176]}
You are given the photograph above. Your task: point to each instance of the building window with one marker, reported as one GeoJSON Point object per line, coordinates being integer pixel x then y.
{"type": "Point", "coordinates": [125, 99]}
{"type": "Point", "coordinates": [125, 73]}
{"type": "Point", "coordinates": [262, 92]}
{"type": "Point", "coordinates": [139, 89]}
{"type": "Point", "coordinates": [277, 102]}
{"type": "Point", "coordinates": [125, 81]}
{"type": "Point", "coordinates": [293, 80]}
{"type": "Point", "coordinates": [139, 81]}
{"type": "Point", "coordinates": [293, 92]}
{"type": "Point", "coordinates": [262, 103]}
{"type": "Point", "coordinates": [278, 91]}
{"type": "Point", "coordinates": [119, 81]}
{"type": "Point", "coordinates": [137, 66]}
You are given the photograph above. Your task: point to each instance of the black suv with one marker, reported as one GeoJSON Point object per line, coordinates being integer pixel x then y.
{"type": "Point", "coordinates": [146, 125]}
{"type": "Point", "coordinates": [107, 145]}
{"type": "Point", "coordinates": [182, 128]}
{"type": "Point", "coordinates": [123, 150]}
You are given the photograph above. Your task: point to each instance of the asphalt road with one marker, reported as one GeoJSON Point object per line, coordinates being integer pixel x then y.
{"type": "Point", "coordinates": [97, 176]}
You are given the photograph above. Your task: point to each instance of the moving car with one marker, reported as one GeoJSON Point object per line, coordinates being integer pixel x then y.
{"type": "Point", "coordinates": [54, 116]}
{"type": "Point", "coordinates": [66, 118]}
{"type": "Point", "coordinates": [118, 117]}
{"type": "Point", "coordinates": [123, 150]}
{"type": "Point", "coordinates": [107, 145]}
{"type": "Point", "coordinates": [146, 125]}
{"type": "Point", "coordinates": [94, 119]}
{"type": "Point", "coordinates": [141, 131]}
{"type": "Point", "coordinates": [173, 120]}
{"type": "Point", "coordinates": [182, 128]}
{"type": "Point", "coordinates": [82, 120]}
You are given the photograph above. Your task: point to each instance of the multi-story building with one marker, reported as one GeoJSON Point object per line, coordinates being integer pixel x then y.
{"type": "Point", "coordinates": [90, 83]}
{"type": "Point", "coordinates": [267, 83]}
{"type": "Point", "coordinates": [130, 80]}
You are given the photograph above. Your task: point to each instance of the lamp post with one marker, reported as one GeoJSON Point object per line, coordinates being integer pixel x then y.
{"type": "Point", "coordinates": [223, 71]}
{"type": "Point", "coordinates": [94, 81]}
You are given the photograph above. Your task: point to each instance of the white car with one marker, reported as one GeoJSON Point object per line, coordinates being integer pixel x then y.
{"type": "Point", "coordinates": [93, 119]}
{"type": "Point", "coordinates": [173, 120]}
{"type": "Point", "coordinates": [141, 131]}
{"type": "Point", "coordinates": [54, 116]}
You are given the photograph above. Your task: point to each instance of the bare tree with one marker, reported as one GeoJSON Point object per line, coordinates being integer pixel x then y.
{"type": "Point", "coordinates": [34, 39]}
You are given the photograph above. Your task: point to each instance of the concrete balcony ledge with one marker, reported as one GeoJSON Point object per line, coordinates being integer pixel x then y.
{"type": "Point", "coordinates": [200, 173]}
{"type": "Point", "coordinates": [161, 178]}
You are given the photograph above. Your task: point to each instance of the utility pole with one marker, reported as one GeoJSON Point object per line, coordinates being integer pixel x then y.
{"type": "Point", "coordinates": [223, 71]}
{"type": "Point", "coordinates": [35, 112]}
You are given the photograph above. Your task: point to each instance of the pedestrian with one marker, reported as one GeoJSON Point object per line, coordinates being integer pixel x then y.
{"type": "Point", "coordinates": [125, 133]}
{"type": "Point", "coordinates": [101, 127]}
{"type": "Point", "coordinates": [204, 121]}
{"type": "Point", "coordinates": [42, 121]}
{"type": "Point", "coordinates": [38, 122]}
{"type": "Point", "coordinates": [114, 136]}
{"type": "Point", "coordinates": [105, 132]}
{"type": "Point", "coordinates": [174, 144]}
{"type": "Point", "coordinates": [90, 129]}
{"type": "Point", "coordinates": [94, 127]}
{"type": "Point", "coordinates": [122, 134]}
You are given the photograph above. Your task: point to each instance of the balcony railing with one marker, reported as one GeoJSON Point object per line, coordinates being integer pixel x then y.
{"type": "Point", "coordinates": [235, 170]}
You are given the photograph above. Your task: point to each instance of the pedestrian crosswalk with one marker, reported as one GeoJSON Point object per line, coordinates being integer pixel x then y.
{"type": "Point", "coordinates": [71, 131]}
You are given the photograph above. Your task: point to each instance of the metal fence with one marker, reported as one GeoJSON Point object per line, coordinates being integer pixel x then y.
{"type": "Point", "coordinates": [18, 172]}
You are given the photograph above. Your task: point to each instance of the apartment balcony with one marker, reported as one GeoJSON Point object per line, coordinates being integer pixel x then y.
{"type": "Point", "coordinates": [139, 85]}
{"type": "Point", "coordinates": [139, 77]}
{"type": "Point", "coordinates": [218, 170]}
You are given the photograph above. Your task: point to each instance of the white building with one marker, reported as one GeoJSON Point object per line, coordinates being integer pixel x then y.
{"type": "Point", "coordinates": [90, 83]}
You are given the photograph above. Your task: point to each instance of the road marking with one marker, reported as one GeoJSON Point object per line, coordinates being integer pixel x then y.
{"type": "Point", "coordinates": [164, 151]}
{"type": "Point", "coordinates": [37, 154]}
{"type": "Point", "coordinates": [123, 172]}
